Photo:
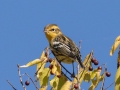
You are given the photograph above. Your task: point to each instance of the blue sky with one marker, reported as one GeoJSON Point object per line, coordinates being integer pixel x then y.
{"type": "Point", "coordinates": [95, 22]}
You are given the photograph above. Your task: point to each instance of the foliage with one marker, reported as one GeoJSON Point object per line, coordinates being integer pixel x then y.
{"type": "Point", "coordinates": [61, 81]}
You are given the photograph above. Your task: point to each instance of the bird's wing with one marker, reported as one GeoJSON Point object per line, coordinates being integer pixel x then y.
{"type": "Point", "coordinates": [65, 46]}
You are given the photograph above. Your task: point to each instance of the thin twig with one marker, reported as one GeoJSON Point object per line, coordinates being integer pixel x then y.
{"type": "Point", "coordinates": [20, 77]}
{"type": "Point", "coordinates": [109, 86]}
{"type": "Point", "coordinates": [32, 81]}
{"type": "Point", "coordinates": [11, 85]}
{"type": "Point", "coordinates": [65, 69]}
{"type": "Point", "coordinates": [78, 68]}
{"type": "Point", "coordinates": [102, 87]}
{"type": "Point", "coordinates": [80, 44]}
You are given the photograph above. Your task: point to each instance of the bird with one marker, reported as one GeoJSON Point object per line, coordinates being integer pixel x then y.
{"type": "Point", "coordinates": [62, 47]}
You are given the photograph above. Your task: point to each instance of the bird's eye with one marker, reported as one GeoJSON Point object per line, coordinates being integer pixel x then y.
{"type": "Point", "coordinates": [53, 29]}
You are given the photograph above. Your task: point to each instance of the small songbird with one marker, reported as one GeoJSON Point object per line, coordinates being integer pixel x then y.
{"type": "Point", "coordinates": [62, 47]}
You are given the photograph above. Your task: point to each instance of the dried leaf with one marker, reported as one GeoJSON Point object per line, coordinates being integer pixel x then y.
{"type": "Point", "coordinates": [115, 45]}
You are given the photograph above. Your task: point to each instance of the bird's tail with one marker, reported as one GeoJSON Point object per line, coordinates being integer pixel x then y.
{"type": "Point", "coordinates": [79, 60]}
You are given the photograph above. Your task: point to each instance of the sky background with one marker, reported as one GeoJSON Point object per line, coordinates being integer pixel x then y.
{"type": "Point", "coordinates": [95, 22]}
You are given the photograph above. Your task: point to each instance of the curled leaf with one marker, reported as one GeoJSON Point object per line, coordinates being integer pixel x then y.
{"type": "Point", "coordinates": [42, 59]}
{"type": "Point", "coordinates": [34, 62]}
{"type": "Point", "coordinates": [115, 45]}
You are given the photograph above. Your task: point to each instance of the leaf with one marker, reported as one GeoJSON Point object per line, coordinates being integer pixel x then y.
{"type": "Point", "coordinates": [43, 88]}
{"type": "Point", "coordinates": [44, 77]}
{"type": "Point", "coordinates": [95, 77]}
{"type": "Point", "coordinates": [87, 63]}
{"type": "Point", "coordinates": [115, 45]}
{"type": "Point", "coordinates": [102, 77]}
{"type": "Point", "coordinates": [93, 85]}
{"type": "Point", "coordinates": [58, 71]}
{"type": "Point", "coordinates": [56, 67]}
{"type": "Point", "coordinates": [87, 77]}
{"type": "Point", "coordinates": [66, 86]}
{"type": "Point", "coordinates": [42, 59]}
{"type": "Point", "coordinates": [117, 79]}
{"type": "Point", "coordinates": [36, 61]}
{"type": "Point", "coordinates": [93, 74]}
{"type": "Point", "coordinates": [40, 68]}
{"type": "Point", "coordinates": [57, 83]}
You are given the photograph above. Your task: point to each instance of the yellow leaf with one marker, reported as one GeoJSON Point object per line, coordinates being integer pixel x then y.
{"type": "Point", "coordinates": [41, 65]}
{"type": "Point", "coordinates": [40, 68]}
{"type": "Point", "coordinates": [66, 86]}
{"type": "Point", "coordinates": [102, 77]}
{"type": "Point", "coordinates": [42, 59]}
{"type": "Point", "coordinates": [44, 77]}
{"type": "Point", "coordinates": [93, 85]}
{"type": "Point", "coordinates": [115, 45]}
{"type": "Point", "coordinates": [54, 66]}
{"type": "Point", "coordinates": [57, 83]}
{"type": "Point", "coordinates": [93, 74]}
{"type": "Point", "coordinates": [117, 79]}
{"type": "Point", "coordinates": [36, 61]}
{"type": "Point", "coordinates": [87, 77]}
{"type": "Point", "coordinates": [43, 88]}
{"type": "Point", "coordinates": [87, 63]}
{"type": "Point", "coordinates": [54, 82]}
{"type": "Point", "coordinates": [58, 71]}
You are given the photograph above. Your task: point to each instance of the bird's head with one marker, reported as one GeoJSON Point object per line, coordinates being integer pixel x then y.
{"type": "Point", "coordinates": [51, 31]}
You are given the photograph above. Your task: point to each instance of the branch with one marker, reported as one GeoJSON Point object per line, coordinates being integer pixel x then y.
{"type": "Point", "coordinates": [66, 75]}
{"type": "Point", "coordinates": [102, 87]}
{"type": "Point", "coordinates": [109, 86]}
{"type": "Point", "coordinates": [32, 81]}
{"type": "Point", "coordinates": [11, 85]}
{"type": "Point", "coordinates": [80, 44]}
{"type": "Point", "coordinates": [20, 77]}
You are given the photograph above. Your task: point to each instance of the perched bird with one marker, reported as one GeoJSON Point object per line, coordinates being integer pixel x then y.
{"type": "Point", "coordinates": [63, 48]}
